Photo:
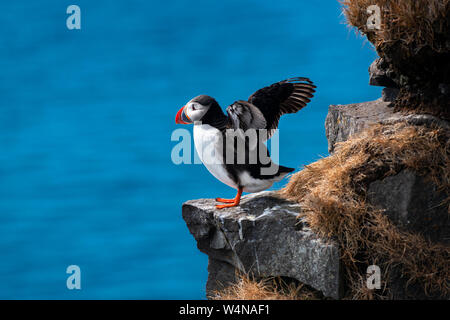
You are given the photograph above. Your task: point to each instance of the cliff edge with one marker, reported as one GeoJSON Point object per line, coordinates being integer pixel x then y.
{"type": "Point", "coordinates": [379, 201]}
{"type": "Point", "coordinates": [270, 236]}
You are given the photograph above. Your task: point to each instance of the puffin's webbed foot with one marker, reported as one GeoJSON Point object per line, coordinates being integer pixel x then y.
{"type": "Point", "coordinates": [222, 206]}
{"type": "Point", "coordinates": [224, 200]}
{"type": "Point", "coordinates": [230, 202]}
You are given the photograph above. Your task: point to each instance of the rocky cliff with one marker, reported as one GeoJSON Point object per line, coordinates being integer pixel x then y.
{"type": "Point", "coordinates": [381, 198]}
{"type": "Point", "coordinates": [267, 237]}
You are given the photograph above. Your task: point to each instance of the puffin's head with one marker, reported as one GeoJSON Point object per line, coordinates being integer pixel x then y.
{"type": "Point", "coordinates": [195, 110]}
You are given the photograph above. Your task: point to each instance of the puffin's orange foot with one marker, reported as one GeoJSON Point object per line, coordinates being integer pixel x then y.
{"type": "Point", "coordinates": [221, 206]}
{"type": "Point", "coordinates": [225, 200]}
{"type": "Point", "coordinates": [230, 202]}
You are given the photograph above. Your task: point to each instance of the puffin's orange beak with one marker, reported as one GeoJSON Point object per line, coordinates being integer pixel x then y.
{"type": "Point", "coordinates": [181, 117]}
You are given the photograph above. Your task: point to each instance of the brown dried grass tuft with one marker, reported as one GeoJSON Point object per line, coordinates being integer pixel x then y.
{"type": "Point", "coordinates": [248, 288]}
{"type": "Point", "coordinates": [414, 42]}
{"type": "Point", "coordinates": [332, 192]}
{"type": "Point", "coordinates": [418, 22]}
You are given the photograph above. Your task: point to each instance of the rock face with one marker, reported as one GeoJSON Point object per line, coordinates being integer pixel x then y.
{"type": "Point", "coordinates": [345, 121]}
{"type": "Point", "coordinates": [264, 238]}
{"type": "Point", "coordinates": [389, 94]}
{"type": "Point", "coordinates": [380, 75]}
{"type": "Point", "coordinates": [413, 204]}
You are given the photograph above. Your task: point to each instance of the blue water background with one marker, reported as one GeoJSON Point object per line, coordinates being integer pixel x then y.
{"type": "Point", "coordinates": [86, 119]}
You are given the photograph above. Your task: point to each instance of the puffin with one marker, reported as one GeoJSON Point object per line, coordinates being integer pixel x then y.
{"type": "Point", "coordinates": [232, 145]}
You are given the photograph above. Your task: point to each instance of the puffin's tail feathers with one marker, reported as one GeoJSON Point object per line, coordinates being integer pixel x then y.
{"type": "Point", "coordinates": [283, 169]}
{"type": "Point", "coordinates": [282, 172]}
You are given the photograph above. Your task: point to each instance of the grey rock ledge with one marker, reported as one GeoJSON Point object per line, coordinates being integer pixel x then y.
{"type": "Point", "coordinates": [262, 237]}
{"type": "Point", "coordinates": [345, 121]}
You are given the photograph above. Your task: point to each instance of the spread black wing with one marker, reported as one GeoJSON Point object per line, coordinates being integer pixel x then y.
{"type": "Point", "coordinates": [265, 107]}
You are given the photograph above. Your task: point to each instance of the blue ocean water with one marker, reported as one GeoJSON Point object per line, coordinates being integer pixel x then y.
{"type": "Point", "coordinates": [86, 118]}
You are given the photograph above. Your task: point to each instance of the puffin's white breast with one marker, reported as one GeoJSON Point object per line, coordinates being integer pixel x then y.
{"type": "Point", "coordinates": [208, 143]}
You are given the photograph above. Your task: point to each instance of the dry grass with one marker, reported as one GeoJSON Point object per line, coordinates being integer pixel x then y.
{"type": "Point", "coordinates": [414, 41]}
{"type": "Point", "coordinates": [332, 192]}
{"type": "Point", "coordinates": [248, 288]}
{"type": "Point", "coordinates": [419, 22]}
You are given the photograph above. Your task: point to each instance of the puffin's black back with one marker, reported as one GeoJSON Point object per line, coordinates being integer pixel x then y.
{"type": "Point", "coordinates": [215, 116]}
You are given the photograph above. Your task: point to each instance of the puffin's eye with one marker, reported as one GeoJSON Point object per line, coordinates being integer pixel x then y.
{"type": "Point", "coordinates": [193, 107]}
